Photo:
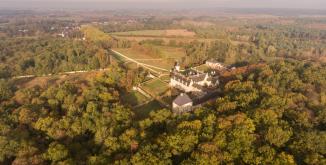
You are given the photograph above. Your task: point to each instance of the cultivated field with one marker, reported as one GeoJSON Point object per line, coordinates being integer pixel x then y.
{"type": "Point", "coordinates": [158, 33]}
{"type": "Point", "coordinates": [318, 26]}
{"type": "Point", "coordinates": [178, 40]}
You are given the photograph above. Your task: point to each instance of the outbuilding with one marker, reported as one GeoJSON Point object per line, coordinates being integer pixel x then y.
{"type": "Point", "coordinates": [183, 103]}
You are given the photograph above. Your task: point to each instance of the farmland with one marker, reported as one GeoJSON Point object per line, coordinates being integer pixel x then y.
{"type": "Point", "coordinates": [158, 33]}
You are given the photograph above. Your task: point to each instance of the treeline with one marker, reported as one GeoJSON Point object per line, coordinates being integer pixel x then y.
{"type": "Point", "coordinates": [275, 114]}
{"type": "Point", "coordinates": [224, 51]}
{"type": "Point", "coordinates": [30, 26]}
{"type": "Point", "coordinates": [134, 24]}
{"type": "Point", "coordinates": [96, 36]}
{"type": "Point", "coordinates": [263, 47]}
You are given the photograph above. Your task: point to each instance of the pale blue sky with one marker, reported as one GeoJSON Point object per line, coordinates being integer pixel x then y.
{"type": "Point", "coordinates": [111, 4]}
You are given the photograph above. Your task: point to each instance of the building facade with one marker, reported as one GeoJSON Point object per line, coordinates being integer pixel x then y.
{"type": "Point", "coordinates": [182, 104]}
{"type": "Point", "coordinates": [193, 81]}
{"type": "Point", "coordinates": [215, 65]}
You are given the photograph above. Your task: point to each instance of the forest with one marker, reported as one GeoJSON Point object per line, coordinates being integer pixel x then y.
{"type": "Point", "coordinates": [49, 55]}
{"type": "Point", "coordinates": [274, 113]}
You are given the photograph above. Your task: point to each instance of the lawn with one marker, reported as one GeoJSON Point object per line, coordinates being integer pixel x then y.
{"type": "Point", "coordinates": [94, 34]}
{"type": "Point", "coordinates": [165, 60]}
{"type": "Point", "coordinates": [131, 65]}
{"type": "Point", "coordinates": [136, 54]}
{"type": "Point", "coordinates": [202, 68]}
{"type": "Point", "coordinates": [172, 52]}
{"type": "Point", "coordinates": [165, 78]}
{"type": "Point", "coordinates": [134, 98]}
{"type": "Point", "coordinates": [155, 87]}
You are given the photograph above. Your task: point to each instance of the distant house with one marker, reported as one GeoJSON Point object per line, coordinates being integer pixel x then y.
{"type": "Point", "coordinates": [182, 104]}
{"type": "Point", "coordinates": [214, 64]}
{"type": "Point", "coordinates": [62, 35]}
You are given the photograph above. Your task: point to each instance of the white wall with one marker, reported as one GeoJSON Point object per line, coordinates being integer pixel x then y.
{"type": "Point", "coordinates": [181, 109]}
{"type": "Point", "coordinates": [189, 88]}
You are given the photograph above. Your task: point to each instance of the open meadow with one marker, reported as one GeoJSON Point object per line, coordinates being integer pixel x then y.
{"type": "Point", "coordinates": [165, 58]}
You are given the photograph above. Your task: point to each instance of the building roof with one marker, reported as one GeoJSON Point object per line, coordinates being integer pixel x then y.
{"type": "Point", "coordinates": [198, 78]}
{"type": "Point", "coordinates": [197, 86]}
{"type": "Point", "coordinates": [180, 78]}
{"type": "Point", "coordinates": [182, 99]}
{"type": "Point", "coordinates": [212, 61]}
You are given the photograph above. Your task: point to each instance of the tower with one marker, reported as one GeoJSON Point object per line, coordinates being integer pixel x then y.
{"type": "Point", "coordinates": [177, 67]}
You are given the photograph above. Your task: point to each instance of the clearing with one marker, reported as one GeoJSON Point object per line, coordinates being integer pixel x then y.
{"type": "Point", "coordinates": [46, 81]}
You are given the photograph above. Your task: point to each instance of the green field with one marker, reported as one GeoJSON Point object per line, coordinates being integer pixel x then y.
{"type": "Point", "coordinates": [134, 98]}
{"type": "Point", "coordinates": [135, 54]}
{"type": "Point", "coordinates": [155, 87]}
{"type": "Point", "coordinates": [202, 68]}
{"type": "Point", "coordinates": [165, 78]}
{"type": "Point", "coordinates": [166, 59]}
{"type": "Point", "coordinates": [171, 52]}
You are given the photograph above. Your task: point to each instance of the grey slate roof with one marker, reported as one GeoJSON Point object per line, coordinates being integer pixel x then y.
{"type": "Point", "coordinates": [213, 61]}
{"type": "Point", "coordinates": [182, 100]}
{"type": "Point", "coordinates": [198, 78]}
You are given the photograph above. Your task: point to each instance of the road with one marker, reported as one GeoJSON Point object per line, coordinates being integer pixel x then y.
{"type": "Point", "coordinates": [146, 66]}
{"type": "Point", "coordinates": [61, 73]}
{"type": "Point", "coordinates": [149, 59]}
{"type": "Point", "coordinates": [152, 68]}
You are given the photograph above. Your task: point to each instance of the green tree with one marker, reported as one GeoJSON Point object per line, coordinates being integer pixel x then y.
{"type": "Point", "coordinates": [56, 152]}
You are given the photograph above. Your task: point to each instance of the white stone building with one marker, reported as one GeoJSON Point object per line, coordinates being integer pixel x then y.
{"type": "Point", "coordinates": [215, 65]}
{"type": "Point", "coordinates": [192, 82]}
{"type": "Point", "coordinates": [182, 104]}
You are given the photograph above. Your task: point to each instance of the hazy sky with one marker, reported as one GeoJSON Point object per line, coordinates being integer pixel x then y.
{"type": "Point", "coordinates": [112, 4]}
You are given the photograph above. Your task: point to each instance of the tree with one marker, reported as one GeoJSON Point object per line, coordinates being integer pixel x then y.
{"type": "Point", "coordinates": [6, 91]}
{"type": "Point", "coordinates": [102, 57]}
{"type": "Point", "coordinates": [278, 136]}
{"type": "Point", "coordinates": [150, 154]}
{"type": "Point", "coordinates": [27, 116]}
{"type": "Point", "coordinates": [56, 152]}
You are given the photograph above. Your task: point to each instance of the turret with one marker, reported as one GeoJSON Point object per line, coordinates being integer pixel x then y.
{"type": "Point", "coordinates": [177, 67]}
